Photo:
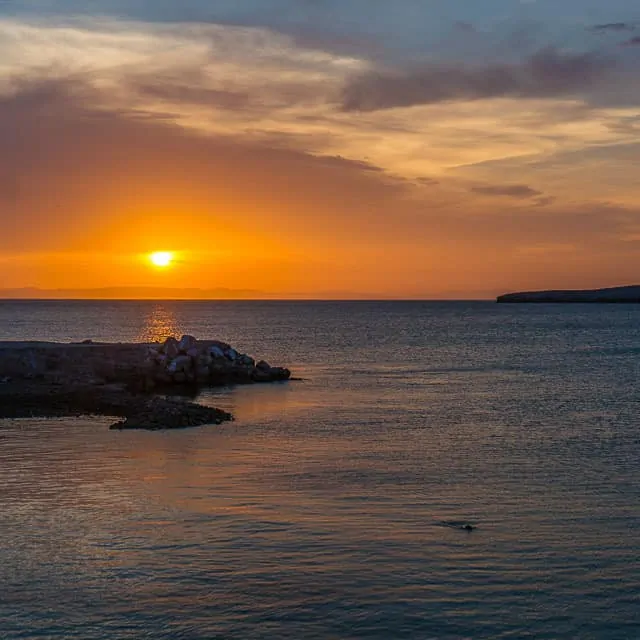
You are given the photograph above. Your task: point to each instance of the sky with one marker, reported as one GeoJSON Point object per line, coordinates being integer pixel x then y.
{"type": "Point", "coordinates": [320, 148]}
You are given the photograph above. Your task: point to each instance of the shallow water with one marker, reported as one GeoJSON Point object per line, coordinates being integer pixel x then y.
{"type": "Point", "coordinates": [324, 510]}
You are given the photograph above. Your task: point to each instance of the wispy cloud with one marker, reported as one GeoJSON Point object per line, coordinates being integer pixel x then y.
{"type": "Point", "coordinates": [508, 190]}
{"type": "Point", "coordinates": [246, 133]}
{"type": "Point", "coordinates": [549, 73]}
{"type": "Point", "coordinates": [613, 26]}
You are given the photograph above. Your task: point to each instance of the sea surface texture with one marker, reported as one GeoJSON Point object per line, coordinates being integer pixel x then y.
{"type": "Point", "coordinates": [332, 508]}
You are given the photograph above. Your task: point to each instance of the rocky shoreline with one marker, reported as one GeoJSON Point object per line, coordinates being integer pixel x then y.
{"type": "Point", "coordinates": [133, 382]}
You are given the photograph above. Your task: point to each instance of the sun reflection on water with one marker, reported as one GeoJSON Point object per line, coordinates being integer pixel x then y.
{"type": "Point", "coordinates": [160, 323]}
{"type": "Point", "coordinates": [257, 402]}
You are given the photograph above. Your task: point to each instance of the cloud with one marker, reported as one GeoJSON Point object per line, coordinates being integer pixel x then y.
{"type": "Point", "coordinates": [632, 42]}
{"type": "Point", "coordinates": [510, 191]}
{"type": "Point", "coordinates": [613, 26]}
{"type": "Point", "coordinates": [269, 88]}
{"type": "Point", "coordinates": [138, 180]}
{"type": "Point", "coordinates": [51, 129]}
{"type": "Point", "coordinates": [549, 73]}
{"type": "Point", "coordinates": [343, 163]}
{"type": "Point", "coordinates": [184, 92]}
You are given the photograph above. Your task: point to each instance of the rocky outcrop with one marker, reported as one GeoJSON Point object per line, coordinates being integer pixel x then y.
{"type": "Point", "coordinates": [124, 380]}
{"type": "Point", "coordinates": [141, 367]}
{"type": "Point", "coordinates": [630, 294]}
{"type": "Point", "coordinates": [22, 399]}
{"type": "Point", "coordinates": [206, 363]}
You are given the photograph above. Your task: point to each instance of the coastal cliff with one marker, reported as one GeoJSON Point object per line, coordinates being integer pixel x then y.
{"type": "Point", "coordinates": [135, 382]}
{"type": "Point", "coordinates": [629, 294]}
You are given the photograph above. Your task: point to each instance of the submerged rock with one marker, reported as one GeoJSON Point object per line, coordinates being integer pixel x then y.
{"type": "Point", "coordinates": [458, 524]}
{"type": "Point", "coordinates": [171, 414]}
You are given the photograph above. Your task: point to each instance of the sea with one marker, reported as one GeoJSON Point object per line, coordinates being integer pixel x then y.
{"type": "Point", "coordinates": [335, 505]}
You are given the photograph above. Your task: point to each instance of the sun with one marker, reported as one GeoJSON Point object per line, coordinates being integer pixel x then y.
{"type": "Point", "coordinates": [161, 258]}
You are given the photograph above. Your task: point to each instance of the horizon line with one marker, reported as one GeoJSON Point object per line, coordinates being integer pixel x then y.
{"type": "Point", "coordinates": [274, 299]}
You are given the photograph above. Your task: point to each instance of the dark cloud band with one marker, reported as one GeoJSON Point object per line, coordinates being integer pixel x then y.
{"type": "Point", "coordinates": [547, 73]}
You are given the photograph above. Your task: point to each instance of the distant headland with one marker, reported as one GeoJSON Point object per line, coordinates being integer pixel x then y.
{"type": "Point", "coordinates": [629, 293]}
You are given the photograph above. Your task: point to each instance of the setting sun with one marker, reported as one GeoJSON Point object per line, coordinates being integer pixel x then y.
{"type": "Point", "coordinates": [161, 258]}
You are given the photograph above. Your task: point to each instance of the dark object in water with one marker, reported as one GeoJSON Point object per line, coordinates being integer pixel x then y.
{"type": "Point", "coordinates": [458, 524]}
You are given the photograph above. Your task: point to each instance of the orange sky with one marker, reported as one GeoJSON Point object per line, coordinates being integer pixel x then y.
{"type": "Point", "coordinates": [229, 146]}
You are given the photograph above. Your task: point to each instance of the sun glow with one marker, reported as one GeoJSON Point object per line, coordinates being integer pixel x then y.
{"type": "Point", "coordinates": [161, 258]}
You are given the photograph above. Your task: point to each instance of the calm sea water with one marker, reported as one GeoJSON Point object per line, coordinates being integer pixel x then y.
{"type": "Point", "coordinates": [321, 512]}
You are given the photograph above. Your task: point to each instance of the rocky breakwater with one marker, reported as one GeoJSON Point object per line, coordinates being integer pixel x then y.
{"type": "Point", "coordinates": [133, 382]}
{"type": "Point", "coordinates": [206, 363]}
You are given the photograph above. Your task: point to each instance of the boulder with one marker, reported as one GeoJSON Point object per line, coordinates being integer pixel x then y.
{"type": "Point", "coordinates": [193, 352]}
{"type": "Point", "coordinates": [216, 352]}
{"type": "Point", "coordinates": [202, 374]}
{"type": "Point", "coordinates": [231, 354]}
{"type": "Point", "coordinates": [186, 343]}
{"type": "Point", "coordinates": [280, 373]}
{"type": "Point", "coordinates": [170, 348]}
{"type": "Point", "coordinates": [204, 360]}
{"type": "Point", "coordinates": [163, 377]}
{"type": "Point", "coordinates": [246, 360]}
{"type": "Point", "coordinates": [258, 375]}
{"type": "Point", "coordinates": [180, 363]}
{"type": "Point", "coordinates": [273, 374]}
{"type": "Point", "coordinates": [263, 366]}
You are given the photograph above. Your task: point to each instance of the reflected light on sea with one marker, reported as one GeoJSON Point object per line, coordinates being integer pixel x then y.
{"type": "Point", "coordinates": [160, 322]}
{"type": "Point", "coordinates": [258, 402]}
{"type": "Point", "coordinates": [331, 507]}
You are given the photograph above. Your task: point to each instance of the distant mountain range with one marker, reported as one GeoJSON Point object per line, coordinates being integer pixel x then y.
{"type": "Point", "coordinates": [218, 293]}
{"type": "Point", "coordinates": [132, 293]}
{"type": "Point", "coordinates": [171, 293]}
{"type": "Point", "coordinates": [629, 293]}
